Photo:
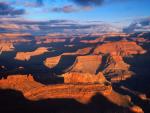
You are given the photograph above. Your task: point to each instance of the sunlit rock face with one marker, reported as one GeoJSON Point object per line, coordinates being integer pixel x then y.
{"type": "Point", "coordinates": [13, 35]}
{"type": "Point", "coordinates": [52, 61]}
{"type": "Point", "coordinates": [81, 64]}
{"type": "Point", "coordinates": [116, 69]}
{"type": "Point", "coordinates": [123, 48]}
{"type": "Point", "coordinates": [19, 82]}
{"type": "Point", "coordinates": [136, 109]}
{"type": "Point", "coordinates": [81, 92]}
{"type": "Point", "coordinates": [6, 46]}
{"type": "Point", "coordinates": [27, 55]}
{"type": "Point", "coordinates": [76, 77]}
{"type": "Point", "coordinates": [87, 64]}
{"type": "Point", "coordinates": [83, 51]}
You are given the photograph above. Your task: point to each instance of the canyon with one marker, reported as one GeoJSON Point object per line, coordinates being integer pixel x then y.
{"type": "Point", "coordinates": [78, 68]}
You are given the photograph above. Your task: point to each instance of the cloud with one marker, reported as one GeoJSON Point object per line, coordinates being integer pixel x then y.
{"type": "Point", "coordinates": [6, 9]}
{"type": "Point", "coordinates": [140, 25]}
{"type": "Point", "coordinates": [89, 2]}
{"type": "Point", "coordinates": [65, 9]}
{"type": "Point", "coordinates": [55, 26]}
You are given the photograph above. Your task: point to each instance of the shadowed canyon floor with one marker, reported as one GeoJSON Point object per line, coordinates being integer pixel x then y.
{"type": "Point", "coordinates": [89, 74]}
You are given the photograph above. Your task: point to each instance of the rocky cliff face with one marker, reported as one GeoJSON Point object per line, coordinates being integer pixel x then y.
{"type": "Point", "coordinates": [83, 51]}
{"type": "Point", "coordinates": [83, 64]}
{"type": "Point", "coordinates": [82, 93]}
{"type": "Point", "coordinates": [27, 55]}
{"type": "Point", "coordinates": [76, 77]}
{"type": "Point", "coordinates": [113, 52]}
{"type": "Point", "coordinates": [52, 61]}
{"type": "Point", "coordinates": [22, 83]}
{"type": "Point", "coordinates": [6, 46]}
{"type": "Point", "coordinates": [122, 48]}
{"type": "Point", "coordinates": [116, 69]}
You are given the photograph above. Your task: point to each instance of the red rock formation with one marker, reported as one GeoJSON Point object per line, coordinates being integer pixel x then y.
{"type": "Point", "coordinates": [76, 77]}
{"type": "Point", "coordinates": [100, 39]}
{"type": "Point", "coordinates": [80, 92]}
{"type": "Point", "coordinates": [123, 48]}
{"type": "Point", "coordinates": [82, 51]}
{"type": "Point", "coordinates": [82, 63]}
{"type": "Point", "coordinates": [87, 64]}
{"type": "Point", "coordinates": [28, 55]}
{"type": "Point", "coordinates": [23, 83]}
{"type": "Point", "coordinates": [136, 109]}
{"type": "Point", "coordinates": [116, 69]}
{"type": "Point", "coordinates": [13, 35]}
{"type": "Point", "coordinates": [52, 61]}
{"type": "Point", "coordinates": [6, 46]}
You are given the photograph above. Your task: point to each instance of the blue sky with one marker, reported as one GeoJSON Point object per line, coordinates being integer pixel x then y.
{"type": "Point", "coordinates": [123, 11]}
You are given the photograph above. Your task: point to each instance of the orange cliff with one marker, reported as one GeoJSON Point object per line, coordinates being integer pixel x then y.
{"type": "Point", "coordinates": [6, 46]}
{"type": "Point", "coordinates": [116, 69]}
{"type": "Point", "coordinates": [27, 55]}
{"type": "Point", "coordinates": [13, 35]}
{"type": "Point", "coordinates": [53, 61]}
{"type": "Point", "coordinates": [76, 77]}
{"type": "Point", "coordinates": [81, 63]}
{"type": "Point", "coordinates": [35, 91]}
{"type": "Point", "coordinates": [87, 64]}
{"type": "Point", "coordinates": [82, 93]}
{"type": "Point", "coordinates": [83, 51]}
{"type": "Point", "coordinates": [123, 48]}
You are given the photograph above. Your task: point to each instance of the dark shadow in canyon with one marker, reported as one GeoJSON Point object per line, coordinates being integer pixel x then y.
{"type": "Point", "coordinates": [65, 64]}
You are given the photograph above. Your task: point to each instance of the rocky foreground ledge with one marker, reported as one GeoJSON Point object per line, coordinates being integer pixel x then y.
{"type": "Point", "coordinates": [82, 93]}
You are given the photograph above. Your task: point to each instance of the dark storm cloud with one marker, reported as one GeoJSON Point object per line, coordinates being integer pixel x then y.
{"type": "Point", "coordinates": [6, 9]}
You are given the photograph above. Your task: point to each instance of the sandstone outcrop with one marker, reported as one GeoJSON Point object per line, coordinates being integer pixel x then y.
{"type": "Point", "coordinates": [87, 64]}
{"type": "Point", "coordinates": [100, 39]}
{"type": "Point", "coordinates": [52, 61]}
{"type": "Point", "coordinates": [27, 55]}
{"type": "Point", "coordinates": [6, 46]}
{"type": "Point", "coordinates": [80, 92]}
{"type": "Point", "coordinates": [22, 83]}
{"type": "Point", "coordinates": [83, 51]}
{"type": "Point", "coordinates": [80, 64]}
{"type": "Point", "coordinates": [123, 48]}
{"type": "Point", "coordinates": [74, 77]}
{"type": "Point", "coordinates": [13, 35]}
{"type": "Point", "coordinates": [116, 69]}
{"type": "Point", "coordinates": [136, 109]}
